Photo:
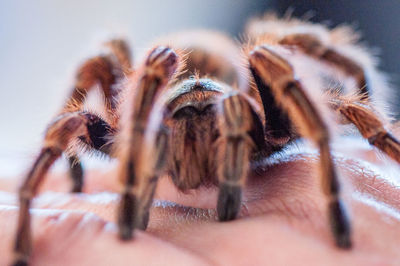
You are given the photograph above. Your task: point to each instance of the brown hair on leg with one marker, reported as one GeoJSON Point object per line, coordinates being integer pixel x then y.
{"type": "Point", "coordinates": [76, 173]}
{"type": "Point", "coordinates": [65, 128]}
{"type": "Point", "coordinates": [106, 70]}
{"type": "Point", "coordinates": [278, 74]}
{"type": "Point", "coordinates": [312, 46]}
{"type": "Point", "coordinates": [158, 68]}
{"type": "Point", "coordinates": [369, 124]}
{"type": "Point", "coordinates": [235, 147]}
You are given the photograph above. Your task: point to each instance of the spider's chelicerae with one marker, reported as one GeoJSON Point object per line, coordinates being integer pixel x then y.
{"type": "Point", "coordinates": [202, 110]}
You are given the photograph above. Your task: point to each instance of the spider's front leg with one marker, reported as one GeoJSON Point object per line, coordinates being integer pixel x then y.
{"type": "Point", "coordinates": [277, 74]}
{"type": "Point", "coordinates": [66, 128]}
{"type": "Point", "coordinates": [143, 158]}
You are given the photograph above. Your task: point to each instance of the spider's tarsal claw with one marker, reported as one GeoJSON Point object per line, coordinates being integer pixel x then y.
{"type": "Point", "coordinates": [229, 200]}
{"type": "Point", "coordinates": [126, 216]}
{"type": "Point", "coordinates": [340, 224]}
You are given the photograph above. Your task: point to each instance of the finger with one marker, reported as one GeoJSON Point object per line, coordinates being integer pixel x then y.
{"type": "Point", "coordinates": [77, 238]}
{"type": "Point", "coordinates": [95, 180]}
{"type": "Point", "coordinates": [102, 204]}
{"type": "Point", "coordinates": [283, 197]}
{"type": "Point", "coordinates": [286, 180]}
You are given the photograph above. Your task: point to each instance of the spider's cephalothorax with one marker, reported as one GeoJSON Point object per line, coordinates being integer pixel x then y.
{"type": "Point", "coordinates": [198, 110]}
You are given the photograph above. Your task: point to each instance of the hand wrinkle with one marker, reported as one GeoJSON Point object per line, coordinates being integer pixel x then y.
{"type": "Point", "coordinates": [283, 187]}
{"type": "Point", "coordinates": [294, 209]}
{"type": "Point", "coordinates": [371, 180]}
{"type": "Point", "coordinates": [379, 206]}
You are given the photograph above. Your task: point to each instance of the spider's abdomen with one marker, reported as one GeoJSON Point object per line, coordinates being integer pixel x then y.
{"type": "Point", "coordinates": [209, 54]}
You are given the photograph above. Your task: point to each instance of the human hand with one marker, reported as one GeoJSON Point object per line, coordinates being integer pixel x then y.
{"type": "Point", "coordinates": [283, 218]}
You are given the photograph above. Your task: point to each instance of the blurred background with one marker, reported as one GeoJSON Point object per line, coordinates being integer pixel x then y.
{"type": "Point", "coordinates": [42, 42]}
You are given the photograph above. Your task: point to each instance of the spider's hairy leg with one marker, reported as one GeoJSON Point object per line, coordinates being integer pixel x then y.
{"type": "Point", "coordinates": [136, 200]}
{"type": "Point", "coordinates": [278, 128]}
{"type": "Point", "coordinates": [312, 46]}
{"type": "Point", "coordinates": [64, 129]}
{"type": "Point", "coordinates": [233, 156]}
{"type": "Point", "coordinates": [121, 50]}
{"type": "Point", "coordinates": [76, 173]}
{"type": "Point", "coordinates": [278, 74]}
{"type": "Point", "coordinates": [369, 125]}
{"type": "Point", "coordinates": [157, 70]}
{"type": "Point", "coordinates": [153, 159]}
{"type": "Point", "coordinates": [105, 70]}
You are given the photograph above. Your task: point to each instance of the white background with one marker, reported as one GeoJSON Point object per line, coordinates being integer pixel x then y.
{"type": "Point", "coordinates": [42, 42]}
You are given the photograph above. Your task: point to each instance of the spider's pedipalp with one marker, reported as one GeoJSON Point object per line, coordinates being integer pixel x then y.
{"type": "Point", "coordinates": [66, 129]}
{"type": "Point", "coordinates": [234, 153]}
{"type": "Point", "coordinates": [142, 159]}
{"type": "Point", "coordinates": [278, 74]}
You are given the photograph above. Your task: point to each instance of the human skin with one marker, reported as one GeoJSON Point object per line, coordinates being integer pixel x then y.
{"type": "Point", "coordinates": [283, 220]}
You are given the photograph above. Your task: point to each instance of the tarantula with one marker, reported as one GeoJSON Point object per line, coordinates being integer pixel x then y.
{"type": "Point", "coordinates": [200, 111]}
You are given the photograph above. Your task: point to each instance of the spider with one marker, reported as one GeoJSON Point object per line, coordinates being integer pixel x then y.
{"type": "Point", "coordinates": [202, 110]}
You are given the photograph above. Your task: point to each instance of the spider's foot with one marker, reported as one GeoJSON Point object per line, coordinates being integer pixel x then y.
{"type": "Point", "coordinates": [76, 189]}
{"type": "Point", "coordinates": [340, 224]}
{"type": "Point", "coordinates": [125, 232]}
{"type": "Point", "coordinates": [76, 173]}
{"type": "Point", "coordinates": [126, 216]}
{"type": "Point", "coordinates": [229, 200]}
{"type": "Point", "coordinates": [142, 223]}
